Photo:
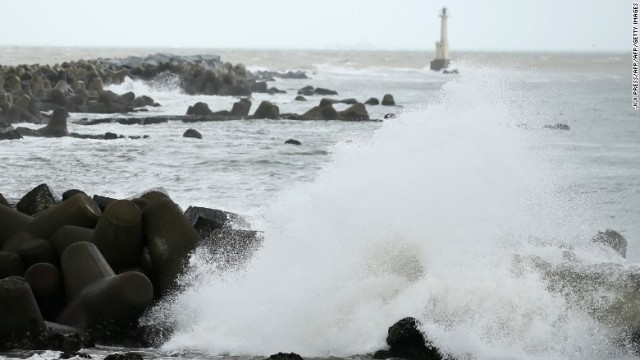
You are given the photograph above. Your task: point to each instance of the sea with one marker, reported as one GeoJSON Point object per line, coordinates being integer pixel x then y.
{"type": "Point", "coordinates": [452, 212]}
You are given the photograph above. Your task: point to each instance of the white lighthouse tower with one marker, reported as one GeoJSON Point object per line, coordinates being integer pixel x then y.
{"type": "Point", "coordinates": [442, 47]}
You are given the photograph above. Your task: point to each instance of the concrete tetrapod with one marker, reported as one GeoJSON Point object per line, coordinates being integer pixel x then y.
{"type": "Point", "coordinates": [170, 238]}
{"type": "Point", "coordinates": [118, 235]}
{"type": "Point", "coordinates": [46, 283]}
{"type": "Point", "coordinates": [98, 299]}
{"type": "Point", "coordinates": [12, 222]}
{"type": "Point", "coordinates": [79, 210]}
{"type": "Point", "coordinates": [18, 309]}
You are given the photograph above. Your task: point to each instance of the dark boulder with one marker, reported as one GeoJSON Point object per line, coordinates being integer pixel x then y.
{"type": "Point", "coordinates": [390, 116]}
{"type": "Point", "coordinates": [406, 341]}
{"type": "Point", "coordinates": [326, 112]}
{"type": "Point", "coordinates": [110, 136]}
{"type": "Point", "coordinates": [293, 142]}
{"type": "Point", "coordinates": [356, 112]}
{"type": "Point", "coordinates": [57, 126]}
{"type": "Point", "coordinates": [284, 356]}
{"type": "Point", "coordinates": [372, 101]}
{"type": "Point", "coordinates": [306, 91]}
{"type": "Point", "coordinates": [387, 100]}
{"type": "Point", "coordinates": [7, 132]}
{"type": "Point", "coordinates": [267, 110]}
{"type": "Point", "coordinates": [300, 98]}
{"type": "Point", "coordinates": [199, 109]}
{"type": "Point", "coordinates": [143, 100]}
{"type": "Point", "coordinates": [192, 133]}
{"type": "Point", "coordinates": [36, 200]}
{"type": "Point", "coordinates": [558, 126]}
{"type": "Point", "coordinates": [323, 91]}
{"type": "Point", "coordinates": [124, 356]}
{"type": "Point", "coordinates": [241, 108]}
{"type": "Point", "coordinates": [612, 239]}
{"type": "Point", "coordinates": [206, 220]}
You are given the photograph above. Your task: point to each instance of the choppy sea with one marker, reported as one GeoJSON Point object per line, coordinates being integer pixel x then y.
{"type": "Point", "coordinates": [423, 215]}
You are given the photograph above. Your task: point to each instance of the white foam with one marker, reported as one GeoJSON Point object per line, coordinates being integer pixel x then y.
{"type": "Point", "coordinates": [423, 221]}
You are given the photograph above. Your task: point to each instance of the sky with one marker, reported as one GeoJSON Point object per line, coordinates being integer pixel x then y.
{"type": "Point", "coordinates": [511, 25]}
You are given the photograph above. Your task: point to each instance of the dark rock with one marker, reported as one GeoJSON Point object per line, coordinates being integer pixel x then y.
{"type": "Point", "coordinates": [143, 100]}
{"type": "Point", "coordinates": [206, 220]}
{"type": "Point", "coordinates": [275, 90]}
{"type": "Point", "coordinates": [36, 200]}
{"type": "Point", "coordinates": [387, 100]}
{"type": "Point", "coordinates": [58, 98]}
{"type": "Point", "coordinates": [103, 201]}
{"type": "Point", "coordinates": [191, 133]}
{"type": "Point", "coordinates": [612, 239]}
{"type": "Point", "coordinates": [284, 356]}
{"type": "Point", "coordinates": [23, 131]}
{"type": "Point", "coordinates": [3, 201]}
{"type": "Point", "coordinates": [322, 91]}
{"type": "Point", "coordinates": [7, 132]}
{"type": "Point", "coordinates": [199, 109]}
{"type": "Point", "coordinates": [406, 341]}
{"type": "Point", "coordinates": [356, 112]}
{"type": "Point", "coordinates": [260, 87]}
{"type": "Point", "coordinates": [306, 91]}
{"type": "Point", "coordinates": [293, 142]}
{"type": "Point", "coordinates": [558, 126]}
{"type": "Point", "coordinates": [241, 108]}
{"type": "Point", "coordinates": [62, 338]}
{"type": "Point", "coordinates": [390, 116]}
{"type": "Point", "coordinates": [326, 112]}
{"type": "Point", "coordinates": [110, 136]}
{"type": "Point", "coordinates": [267, 110]}
{"type": "Point", "coordinates": [372, 101]}
{"type": "Point", "coordinates": [124, 356]}
{"type": "Point", "coordinates": [300, 98]}
{"type": "Point", "coordinates": [57, 126]}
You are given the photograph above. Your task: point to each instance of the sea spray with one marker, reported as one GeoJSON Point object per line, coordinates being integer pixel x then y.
{"type": "Point", "coordinates": [430, 219]}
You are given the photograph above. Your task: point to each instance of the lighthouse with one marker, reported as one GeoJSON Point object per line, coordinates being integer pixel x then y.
{"type": "Point", "coordinates": [442, 47]}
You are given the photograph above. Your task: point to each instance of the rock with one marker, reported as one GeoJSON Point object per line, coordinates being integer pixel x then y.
{"type": "Point", "coordinates": [558, 126]}
{"type": "Point", "coordinates": [7, 132]}
{"type": "Point", "coordinates": [58, 98]}
{"type": "Point", "coordinates": [406, 341]}
{"type": "Point", "coordinates": [57, 126]}
{"type": "Point", "coordinates": [306, 91]}
{"type": "Point", "coordinates": [191, 133]}
{"type": "Point", "coordinates": [326, 112]}
{"type": "Point", "coordinates": [62, 338]}
{"type": "Point", "coordinates": [23, 131]}
{"type": "Point", "coordinates": [96, 85]}
{"type": "Point", "coordinates": [199, 109]}
{"type": "Point", "coordinates": [390, 116]}
{"type": "Point", "coordinates": [293, 142]}
{"type": "Point", "coordinates": [267, 110]}
{"type": "Point", "coordinates": [143, 100]}
{"type": "Point", "coordinates": [241, 108]}
{"type": "Point", "coordinates": [372, 101]}
{"type": "Point", "coordinates": [275, 90]}
{"type": "Point", "coordinates": [300, 98]}
{"type": "Point", "coordinates": [3, 201]}
{"type": "Point", "coordinates": [387, 100]}
{"type": "Point", "coordinates": [36, 200]}
{"type": "Point", "coordinates": [205, 220]}
{"type": "Point", "coordinates": [110, 136]}
{"type": "Point", "coordinates": [102, 201]}
{"type": "Point", "coordinates": [284, 356]}
{"type": "Point", "coordinates": [322, 91]}
{"type": "Point", "coordinates": [356, 112]}
{"type": "Point", "coordinates": [124, 356]}
{"type": "Point", "coordinates": [232, 248]}
{"type": "Point", "coordinates": [612, 239]}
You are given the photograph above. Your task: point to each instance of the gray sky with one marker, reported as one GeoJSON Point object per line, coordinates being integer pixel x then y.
{"type": "Point", "coordinates": [345, 24]}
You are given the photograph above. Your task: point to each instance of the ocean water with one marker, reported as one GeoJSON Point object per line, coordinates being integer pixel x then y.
{"type": "Point", "coordinates": [443, 213]}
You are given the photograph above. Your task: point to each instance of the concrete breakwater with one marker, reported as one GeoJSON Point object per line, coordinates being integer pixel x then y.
{"type": "Point", "coordinates": [29, 92]}
{"type": "Point", "coordinates": [83, 270]}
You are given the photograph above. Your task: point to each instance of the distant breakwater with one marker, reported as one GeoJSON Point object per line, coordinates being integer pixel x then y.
{"type": "Point", "coordinates": [29, 93]}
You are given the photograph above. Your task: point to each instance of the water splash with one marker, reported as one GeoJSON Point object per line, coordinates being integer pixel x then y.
{"type": "Point", "coordinates": [423, 220]}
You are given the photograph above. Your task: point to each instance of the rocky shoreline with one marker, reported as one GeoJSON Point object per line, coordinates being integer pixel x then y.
{"type": "Point", "coordinates": [32, 93]}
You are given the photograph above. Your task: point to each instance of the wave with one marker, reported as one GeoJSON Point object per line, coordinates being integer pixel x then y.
{"type": "Point", "coordinates": [430, 219]}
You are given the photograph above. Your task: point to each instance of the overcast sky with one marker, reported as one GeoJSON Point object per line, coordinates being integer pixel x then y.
{"type": "Point", "coordinates": [345, 24]}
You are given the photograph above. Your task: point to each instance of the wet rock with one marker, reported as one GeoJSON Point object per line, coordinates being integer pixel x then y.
{"type": "Point", "coordinates": [7, 132]}
{"type": "Point", "coordinates": [62, 338]}
{"type": "Point", "coordinates": [267, 110]}
{"type": "Point", "coordinates": [406, 341]}
{"type": "Point", "coordinates": [285, 356]}
{"type": "Point", "coordinates": [300, 98]}
{"type": "Point", "coordinates": [372, 101]}
{"type": "Point", "coordinates": [275, 90]}
{"type": "Point", "coordinates": [306, 91]}
{"type": "Point", "coordinates": [326, 101]}
{"type": "Point", "coordinates": [23, 131]}
{"type": "Point", "coordinates": [612, 239]}
{"type": "Point", "coordinates": [103, 201]}
{"type": "Point", "coordinates": [323, 91]}
{"type": "Point", "coordinates": [390, 116]}
{"type": "Point", "coordinates": [205, 220]}
{"type": "Point", "coordinates": [110, 136]}
{"type": "Point", "coordinates": [387, 100]}
{"type": "Point", "coordinates": [124, 356]}
{"type": "Point", "coordinates": [356, 112]}
{"type": "Point", "coordinates": [293, 142]}
{"type": "Point", "coordinates": [192, 133]}
{"type": "Point", "coordinates": [142, 101]}
{"type": "Point", "coordinates": [36, 200]}
{"type": "Point", "coordinates": [558, 126]}
{"type": "Point", "coordinates": [199, 109]}
{"type": "Point", "coordinates": [326, 112]}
